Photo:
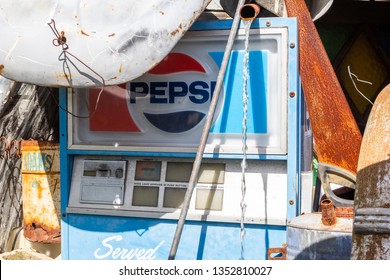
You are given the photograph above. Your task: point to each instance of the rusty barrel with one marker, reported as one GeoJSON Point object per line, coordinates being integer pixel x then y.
{"type": "Point", "coordinates": [371, 227]}
{"type": "Point", "coordinates": [41, 191]}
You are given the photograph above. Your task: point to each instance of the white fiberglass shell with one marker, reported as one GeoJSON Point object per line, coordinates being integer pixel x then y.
{"type": "Point", "coordinates": [107, 41]}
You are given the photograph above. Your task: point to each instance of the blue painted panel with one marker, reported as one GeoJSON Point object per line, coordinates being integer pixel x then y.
{"type": "Point", "coordinates": [110, 238]}
{"type": "Point", "coordinates": [230, 119]}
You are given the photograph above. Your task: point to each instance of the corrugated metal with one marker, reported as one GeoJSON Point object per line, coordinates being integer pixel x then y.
{"type": "Point", "coordinates": [336, 135]}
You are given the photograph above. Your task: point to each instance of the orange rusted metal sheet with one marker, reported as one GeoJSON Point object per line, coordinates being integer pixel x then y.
{"type": "Point", "coordinates": [41, 191]}
{"type": "Point", "coordinates": [371, 231]}
{"type": "Point", "coordinates": [336, 135]}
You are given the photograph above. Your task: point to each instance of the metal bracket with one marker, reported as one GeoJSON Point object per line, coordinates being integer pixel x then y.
{"type": "Point", "coordinates": [333, 174]}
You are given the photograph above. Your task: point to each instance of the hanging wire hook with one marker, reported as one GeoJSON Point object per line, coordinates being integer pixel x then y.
{"type": "Point", "coordinates": [61, 40]}
{"type": "Point", "coordinates": [359, 80]}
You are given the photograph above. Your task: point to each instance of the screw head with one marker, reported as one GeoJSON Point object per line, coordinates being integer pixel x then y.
{"type": "Point", "coordinates": [292, 45]}
{"type": "Point", "coordinates": [292, 94]}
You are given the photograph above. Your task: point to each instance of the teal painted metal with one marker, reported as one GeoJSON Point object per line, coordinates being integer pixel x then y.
{"type": "Point", "coordinates": [65, 174]}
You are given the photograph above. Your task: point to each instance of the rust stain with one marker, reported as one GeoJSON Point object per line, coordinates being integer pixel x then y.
{"type": "Point", "coordinates": [62, 75]}
{"type": "Point", "coordinates": [84, 33]}
{"type": "Point", "coordinates": [373, 182]}
{"type": "Point", "coordinates": [328, 212]}
{"type": "Point", "coordinates": [40, 190]}
{"type": "Point", "coordinates": [162, 13]}
{"type": "Point", "coordinates": [1, 68]}
{"type": "Point", "coordinates": [336, 134]}
{"type": "Point", "coordinates": [173, 33]}
{"type": "Point", "coordinates": [344, 212]}
{"type": "Point", "coordinates": [111, 35]}
{"type": "Point", "coordinates": [37, 232]}
{"type": "Point", "coordinates": [177, 30]}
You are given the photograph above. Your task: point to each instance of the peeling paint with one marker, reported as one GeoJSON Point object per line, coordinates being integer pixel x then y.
{"type": "Point", "coordinates": [41, 191]}
{"type": "Point", "coordinates": [84, 33]}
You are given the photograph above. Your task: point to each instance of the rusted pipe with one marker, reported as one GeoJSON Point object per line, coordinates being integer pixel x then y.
{"type": "Point", "coordinates": [328, 212]}
{"type": "Point", "coordinates": [249, 12]}
{"type": "Point", "coordinates": [336, 135]}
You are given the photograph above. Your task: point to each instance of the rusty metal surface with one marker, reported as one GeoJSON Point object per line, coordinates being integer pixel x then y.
{"type": "Point", "coordinates": [344, 212]}
{"type": "Point", "coordinates": [328, 212]}
{"type": "Point", "coordinates": [371, 236]}
{"type": "Point", "coordinates": [41, 191]}
{"type": "Point", "coordinates": [336, 135]}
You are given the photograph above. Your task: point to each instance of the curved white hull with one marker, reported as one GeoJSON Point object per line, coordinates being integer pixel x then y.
{"type": "Point", "coordinates": [107, 41]}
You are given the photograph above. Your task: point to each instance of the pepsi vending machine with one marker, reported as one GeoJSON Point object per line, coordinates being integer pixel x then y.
{"type": "Point", "coordinates": [127, 154]}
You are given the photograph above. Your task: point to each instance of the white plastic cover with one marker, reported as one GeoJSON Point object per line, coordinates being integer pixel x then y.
{"type": "Point", "coordinates": [107, 41]}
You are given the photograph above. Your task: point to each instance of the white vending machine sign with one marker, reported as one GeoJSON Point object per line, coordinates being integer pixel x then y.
{"type": "Point", "coordinates": [164, 110]}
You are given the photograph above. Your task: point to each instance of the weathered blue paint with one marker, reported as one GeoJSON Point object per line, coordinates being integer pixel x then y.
{"type": "Point", "coordinates": [114, 237]}
{"type": "Point", "coordinates": [293, 120]}
{"type": "Point", "coordinates": [65, 172]}
{"type": "Point", "coordinates": [102, 237]}
{"type": "Point", "coordinates": [37, 161]}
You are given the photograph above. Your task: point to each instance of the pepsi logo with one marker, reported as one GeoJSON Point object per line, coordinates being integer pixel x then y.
{"type": "Point", "coordinates": [174, 96]}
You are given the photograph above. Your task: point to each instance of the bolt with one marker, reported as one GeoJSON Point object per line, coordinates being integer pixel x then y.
{"type": "Point", "coordinates": [291, 202]}
{"type": "Point", "coordinates": [292, 45]}
{"type": "Point", "coordinates": [268, 23]}
{"type": "Point", "coordinates": [292, 94]}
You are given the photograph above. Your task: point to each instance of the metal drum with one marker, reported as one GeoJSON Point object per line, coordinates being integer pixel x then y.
{"type": "Point", "coordinates": [309, 239]}
{"type": "Point", "coordinates": [41, 191]}
{"type": "Point", "coordinates": [371, 232]}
